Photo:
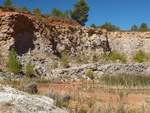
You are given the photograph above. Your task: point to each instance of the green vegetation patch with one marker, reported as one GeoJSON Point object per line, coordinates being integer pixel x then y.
{"type": "Point", "coordinates": [90, 74]}
{"type": "Point", "coordinates": [115, 56]}
{"type": "Point", "coordinates": [140, 56]}
{"type": "Point", "coordinates": [29, 69]}
{"type": "Point", "coordinates": [13, 63]}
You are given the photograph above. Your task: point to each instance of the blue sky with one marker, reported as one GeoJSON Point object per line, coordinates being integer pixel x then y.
{"type": "Point", "coordinates": [122, 13]}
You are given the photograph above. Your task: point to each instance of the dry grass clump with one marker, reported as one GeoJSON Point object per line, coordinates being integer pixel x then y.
{"type": "Point", "coordinates": [126, 80]}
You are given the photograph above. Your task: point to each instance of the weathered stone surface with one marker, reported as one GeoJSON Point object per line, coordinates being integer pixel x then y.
{"type": "Point", "coordinates": [98, 69]}
{"type": "Point", "coordinates": [10, 75]}
{"type": "Point", "coordinates": [31, 88]}
{"type": "Point", "coordinates": [12, 100]}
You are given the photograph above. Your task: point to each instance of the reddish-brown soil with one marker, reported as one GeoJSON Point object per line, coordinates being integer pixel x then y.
{"type": "Point", "coordinates": [93, 97]}
{"type": "Point", "coordinates": [50, 19]}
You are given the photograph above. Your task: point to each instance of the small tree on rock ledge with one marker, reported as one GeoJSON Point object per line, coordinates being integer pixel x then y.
{"type": "Point", "coordinates": [37, 10]}
{"type": "Point", "coordinates": [13, 63]}
{"type": "Point", "coordinates": [29, 69]}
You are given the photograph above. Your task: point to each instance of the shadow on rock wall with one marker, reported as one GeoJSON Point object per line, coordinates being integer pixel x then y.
{"type": "Point", "coordinates": [23, 34]}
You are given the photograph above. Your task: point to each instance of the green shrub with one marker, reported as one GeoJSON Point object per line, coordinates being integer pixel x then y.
{"type": "Point", "coordinates": [29, 69]}
{"type": "Point", "coordinates": [115, 56]}
{"type": "Point", "coordinates": [139, 57]}
{"type": "Point", "coordinates": [11, 8]}
{"type": "Point", "coordinates": [16, 7]}
{"type": "Point", "coordinates": [94, 44]}
{"type": "Point", "coordinates": [38, 18]}
{"type": "Point", "coordinates": [45, 21]}
{"type": "Point", "coordinates": [56, 32]}
{"type": "Point", "coordinates": [25, 9]}
{"type": "Point", "coordinates": [90, 74]}
{"type": "Point", "coordinates": [13, 63]}
{"type": "Point", "coordinates": [1, 7]}
{"type": "Point", "coordinates": [64, 59]}
{"type": "Point", "coordinates": [37, 10]}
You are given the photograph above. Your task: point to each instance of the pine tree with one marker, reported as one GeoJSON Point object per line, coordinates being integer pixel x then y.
{"type": "Point", "coordinates": [80, 13]}
{"type": "Point", "coordinates": [37, 10]}
{"type": "Point", "coordinates": [13, 63]}
{"type": "Point", "coordinates": [25, 9]}
{"type": "Point", "coordinates": [56, 12]}
{"type": "Point", "coordinates": [7, 3]}
{"type": "Point", "coordinates": [29, 69]}
{"type": "Point", "coordinates": [66, 14]}
{"type": "Point", "coordinates": [134, 28]}
{"type": "Point", "coordinates": [93, 25]}
{"type": "Point", "coordinates": [143, 27]}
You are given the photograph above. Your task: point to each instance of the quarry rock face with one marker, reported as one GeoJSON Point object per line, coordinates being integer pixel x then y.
{"type": "Point", "coordinates": [42, 44]}
{"type": "Point", "coordinates": [25, 34]}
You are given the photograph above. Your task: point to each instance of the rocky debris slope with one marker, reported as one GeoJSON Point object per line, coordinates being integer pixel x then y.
{"type": "Point", "coordinates": [79, 73]}
{"type": "Point", "coordinates": [12, 100]}
{"type": "Point", "coordinates": [10, 75]}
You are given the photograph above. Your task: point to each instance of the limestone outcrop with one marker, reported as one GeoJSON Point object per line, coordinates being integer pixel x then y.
{"type": "Point", "coordinates": [12, 100]}
{"type": "Point", "coordinates": [25, 34]}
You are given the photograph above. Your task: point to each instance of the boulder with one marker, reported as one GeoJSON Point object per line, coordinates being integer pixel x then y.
{"type": "Point", "coordinates": [31, 88]}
